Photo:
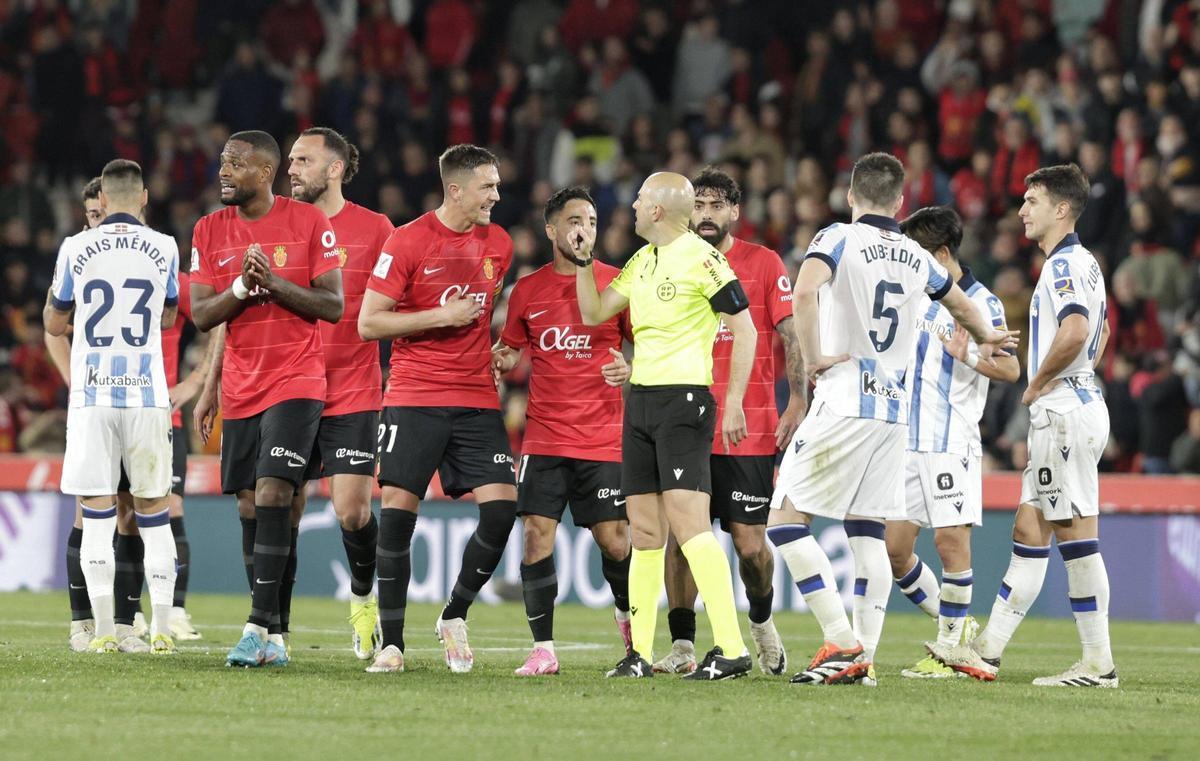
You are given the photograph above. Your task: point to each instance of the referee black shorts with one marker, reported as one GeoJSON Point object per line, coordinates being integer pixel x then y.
{"type": "Point", "coordinates": [667, 439]}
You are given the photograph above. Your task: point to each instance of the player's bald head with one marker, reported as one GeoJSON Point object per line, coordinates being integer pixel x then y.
{"type": "Point", "coordinates": [672, 192]}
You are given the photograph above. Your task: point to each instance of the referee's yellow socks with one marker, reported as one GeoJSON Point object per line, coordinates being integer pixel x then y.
{"type": "Point", "coordinates": [646, 569]}
{"type": "Point", "coordinates": [710, 568]}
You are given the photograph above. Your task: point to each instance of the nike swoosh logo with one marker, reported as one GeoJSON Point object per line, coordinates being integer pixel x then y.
{"type": "Point", "coordinates": [260, 581]}
{"type": "Point", "coordinates": [78, 587]}
{"type": "Point", "coordinates": [295, 464]}
{"type": "Point", "coordinates": [538, 314]}
{"type": "Point", "coordinates": [618, 502]}
{"type": "Point", "coordinates": [429, 271]}
{"type": "Point", "coordinates": [749, 509]}
{"type": "Point", "coordinates": [383, 579]}
{"type": "Point", "coordinates": [223, 262]}
{"type": "Point", "coordinates": [481, 571]}
{"type": "Point", "coordinates": [358, 462]}
{"type": "Point", "coordinates": [133, 599]}
{"type": "Point", "coordinates": [534, 618]}
{"type": "Point", "coordinates": [362, 565]}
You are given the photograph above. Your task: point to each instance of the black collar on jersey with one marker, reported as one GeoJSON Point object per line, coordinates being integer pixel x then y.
{"type": "Point", "coordinates": [880, 221]}
{"type": "Point", "coordinates": [968, 278]}
{"type": "Point", "coordinates": [1072, 239]}
{"type": "Point", "coordinates": [121, 217]}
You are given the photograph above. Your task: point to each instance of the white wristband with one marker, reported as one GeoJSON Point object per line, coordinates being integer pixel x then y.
{"type": "Point", "coordinates": [240, 291]}
{"type": "Point", "coordinates": [972, 360]}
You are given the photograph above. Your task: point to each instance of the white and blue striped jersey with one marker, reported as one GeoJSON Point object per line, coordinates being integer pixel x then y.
{"type": "Point", "coordinates": [1070, 283]}
{"type": "Point", "coordinates": [869, 310]}
{"type": "Point", "coordinates": [119, 276]}
{"type": "Point", "coordinates": [947, 395]}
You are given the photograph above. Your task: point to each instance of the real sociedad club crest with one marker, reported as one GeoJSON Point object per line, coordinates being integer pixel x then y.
{"type": "Point", "coordinates": [489, 269]}
{"type": "Point", "coordinates": [280, 255]}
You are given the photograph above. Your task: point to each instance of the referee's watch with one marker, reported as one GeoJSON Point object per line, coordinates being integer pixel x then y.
{"type": "Point", "coordinates": [581, 262]}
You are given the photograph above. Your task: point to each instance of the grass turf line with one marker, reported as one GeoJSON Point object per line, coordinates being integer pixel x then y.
{"type": "Point", "coordinates": [59, 704]}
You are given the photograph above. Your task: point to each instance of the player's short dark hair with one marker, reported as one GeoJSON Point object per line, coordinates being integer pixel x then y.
{"type": "Point", "coordinates": [877, 179]}
{"type": "Point", "coordinates": [341, 147]}
{"type": "Point", "coordinates": [121, 176]}
{"type": "Point", "coordinates": [464, 157]}
{"type": "Point", "coordinates": [261, 142]}
{"type": "Point", "coordinates": [1064, 182]}
{"type": "Point", "coordinates": [934, 227]}
{"type": "Point", "coordinates": [91, 191]}
{"type": "Point", "coordinates": [556, 202]}
{"type": "Point", "coordinates": [712, 181]}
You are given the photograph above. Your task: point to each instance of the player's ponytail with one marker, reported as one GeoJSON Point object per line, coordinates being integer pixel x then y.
{"type": "Point", "coordinates": [351, 162]}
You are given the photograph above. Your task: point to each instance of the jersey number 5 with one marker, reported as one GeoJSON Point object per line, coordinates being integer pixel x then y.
{"type": "Point", "coordinates": [104, 290]}
{"type": "Point", "coordinates": [881, 312]}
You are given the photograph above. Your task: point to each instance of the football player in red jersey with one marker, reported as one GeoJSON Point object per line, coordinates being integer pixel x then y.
{"type": "Point", "coordinates": [742, 483]}
{"type": "Point", "coordinates": [272, 375]}
{"type": "Point", "coordinates": [432, 291]}
{"type": "Point", "coordinates": [572, 446]}
{"type": "Point", "coordinates": [320, 162]}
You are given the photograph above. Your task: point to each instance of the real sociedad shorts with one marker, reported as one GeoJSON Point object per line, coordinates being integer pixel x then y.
{"type": "Point", "coordinates": [943, 489]}
{"type": "Point", "coordinates": [1062, 478]}
{"type": "Point", "coordinates": [102, 439]}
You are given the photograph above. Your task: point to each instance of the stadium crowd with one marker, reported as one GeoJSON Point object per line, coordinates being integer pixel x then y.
{"type": "Point", "coordinates": [971, 95]}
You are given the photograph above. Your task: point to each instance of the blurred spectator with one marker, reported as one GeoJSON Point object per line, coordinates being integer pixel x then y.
{"type": "Point", "coordinates": [1162, 409]}
{"type": "Point", "coordinates": [381, 43]}
{"type": "Point", "coordinates": [248, 96]}
{"type": "Point", "coordinates": [450, 32]}
{"type": "Point", "coordinates": [622, 90]}
{"type": "Point", "coordinates": [586, 21]}
{"type": "Point", "coordinates": [290, 27]}
{"type": "Point", "coordinates": [702, 66]}
{"type": "Point", "coordinates": [25, 200]}
{"type": "Point", "coordinates": [1102, 223]}
{"type": "Point", "coordinates": [1016, 157]}
{"type": "Point", "coordinates": [1132, 320]}
{"type": "Point", "coordinates": [1185, 451]}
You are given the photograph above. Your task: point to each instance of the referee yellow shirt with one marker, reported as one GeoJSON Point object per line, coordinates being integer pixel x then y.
{"type": "Point", "coordinates": [674, 324]}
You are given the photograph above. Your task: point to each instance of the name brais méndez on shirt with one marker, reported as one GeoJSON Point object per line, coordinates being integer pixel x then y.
{"type": "Point", "coordinates": [119, 241]}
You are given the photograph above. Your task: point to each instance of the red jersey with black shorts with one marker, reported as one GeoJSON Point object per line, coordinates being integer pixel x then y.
{"type": "Point", "coordinates": [273, 369]}
{"type": "Point", "coordinates": [742, 481]}
{"type": "Point", "coordinates": [441, 403]}
{"type": "Point", "coordinates": [571, 451]}
{"type": "Point", "coordinates": [354, 387]}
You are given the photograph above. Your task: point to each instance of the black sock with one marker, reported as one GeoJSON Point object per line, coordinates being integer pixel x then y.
{"type": "Point", "coordinates": [482, 555]}
{"type": "Point", "coordinates": [127, 584]}
{"type": "Point", "coordinates": [760, 607]}
{"type": "Point", "coordinates": [183, 560]}
{"type": "Point", "coordinates": [249, 529]}
{"type": "Point", "coordinates": [682, 622]}
{"type": "Point", "coordinates": [272, 547]}
{"type": "Point", "coordinates": [616, 573]}
{"type": "Point", "coordinates": [539, 583]}
{"type": "Point", "coordinates": [81, 606]}
{"type": "Point", "coordinates": [286, 585]}
{"type": "Point", "coordinates": [395, 568]}
{"type": "Point", "coordinates": [360, 553]}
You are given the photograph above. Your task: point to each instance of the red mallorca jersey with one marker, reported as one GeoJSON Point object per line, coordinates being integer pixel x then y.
{"type": "Point", "coordinates": [423, 264]}
{"type": "Point", "coordinates": [271, 353]}
{"type": "Point", "coordinates": [352, 364]}
{"type": "Point", "coordinates": [572, 412]}
{"type": "Point", "coordinates": [170, 341]}
{"type": "Point", "coordinates": [765, 280]}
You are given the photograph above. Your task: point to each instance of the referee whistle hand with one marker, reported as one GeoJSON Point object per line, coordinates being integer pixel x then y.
{"type": "Point", "coordinates": [733, 426]}
{"type": "Point", "coordinates": [617, 371]}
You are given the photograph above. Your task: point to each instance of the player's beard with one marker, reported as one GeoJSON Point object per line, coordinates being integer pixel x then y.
{"type": "Point", "coordinates": [711, 238]}
{"type": "Point", "coordinates": [239, 198]}
{"type": "Point", "coordinates": [308, 193]}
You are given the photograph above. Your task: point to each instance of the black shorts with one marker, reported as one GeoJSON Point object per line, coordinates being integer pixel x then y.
{"type": "Point", "coordinates": [546, 484]}
{"type": "Point", "coordinates": [179, 453]}
{"type": "Point", "coordinates": [467, 446]}
{"type": "Point", "coordinates": [667, 439]}
{"type": "Point", "coordinates": [741, 489]}
{"type": "Point", "coordinates": [275, 443]}
{"type": "Point", "coordinates": [345, 444]}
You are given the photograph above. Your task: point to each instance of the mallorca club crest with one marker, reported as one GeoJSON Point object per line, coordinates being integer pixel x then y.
{"type": "Point", "coordinates": [489, 268]}
{"type": "Point", "coordinates": [341, 252]}
{"type": "Point", "coordinates": [280, 255]}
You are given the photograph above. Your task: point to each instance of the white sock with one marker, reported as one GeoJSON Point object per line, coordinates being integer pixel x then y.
{"type": "Point", "coordinates": [620, 615]}
{"type": "Point", "coordinates": [1021, 585]}
{"type": "Point", "coordinates": [99, 565]}
{"type": "Point", "coordinates": [956, 600]}
{"type": "Point", "coordinates": [261, 631]}
{"type": "Point", "coordinates": [1087, 585]}
{"type": "Point", "coordinates": [159, 563]}
{"type": "Point", "coordinates": [276, 639]}
{"type": "Point", "coordinates": [547, 644]}
{"type": "Point", "coordinates": [813, 575]}
{"type": "Point", "coordinates": [920, 586]}
{"type": "Point", "coordinates": [872, 577]}
{"type": "Point", "coordinates": [360, 598]}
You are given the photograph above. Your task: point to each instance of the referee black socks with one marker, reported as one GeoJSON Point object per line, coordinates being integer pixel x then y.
{"type": "Point", "coordinates": [395, 567]}
{"type": "Point", "coordinates": [271, 549]}
{"type": "Point", "coordinates": [482, 555]}
{"type": "Point", "coordinates": [360, 552]}
{"type": "Point", "coordinates": [539, 583]}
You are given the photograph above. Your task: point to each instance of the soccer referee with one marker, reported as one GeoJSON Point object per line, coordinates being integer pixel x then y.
{"type": "Point", "coordinates": [675, 288]}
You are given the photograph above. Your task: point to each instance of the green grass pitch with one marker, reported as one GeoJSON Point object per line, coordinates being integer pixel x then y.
{"type": "Point", "coordinates": [58, 704]}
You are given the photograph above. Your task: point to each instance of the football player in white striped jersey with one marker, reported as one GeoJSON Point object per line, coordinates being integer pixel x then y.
{"type": "Point", "coordinates": [943, 486]}
{"type": "Point", "coordinates": [1068, 430]}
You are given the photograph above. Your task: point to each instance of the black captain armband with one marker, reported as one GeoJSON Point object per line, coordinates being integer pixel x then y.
{"type": "Point", "coordinates": [731, 299]}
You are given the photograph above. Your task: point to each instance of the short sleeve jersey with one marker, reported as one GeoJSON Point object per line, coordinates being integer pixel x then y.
{"type": "Point", "coordinates": [947, 396]}
{"type": "Point", "coordinates": [769, 291]}
{"type": "Point", "coordinates": [869, 310]}
{"type": "Point", "coordinates": [674, 324]}
{"type": "Point", "coordinates": [271, 353]}
{"type": "Point", "coordinates": [352, 373]}
{"type": "Point", "coordinates": [422, 265]}
{"type": "Point", "coordinates": [572, 412]}
{"type": "Point", "coordinates": [1070, 283]}
{"type": "Point", "coordinates": [118, 276]}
